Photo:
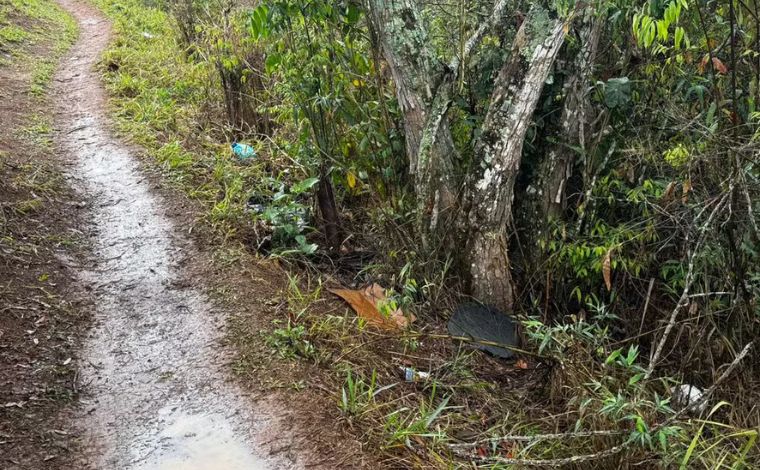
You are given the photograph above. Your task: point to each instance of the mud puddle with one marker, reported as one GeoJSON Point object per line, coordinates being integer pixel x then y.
{"type": "Point", "coordinates": [156, 394]}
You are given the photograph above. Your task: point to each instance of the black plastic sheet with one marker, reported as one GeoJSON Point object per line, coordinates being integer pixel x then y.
{"type": "Point", "coordinates": [483, 323]}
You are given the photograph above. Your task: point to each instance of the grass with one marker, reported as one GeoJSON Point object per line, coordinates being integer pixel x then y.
{"type": "Point", "coordinates": [39, 23]}
{"type": "Point", "coordinates": [39, 130]}
{"type": "Point", "coordinates": [11, 34]}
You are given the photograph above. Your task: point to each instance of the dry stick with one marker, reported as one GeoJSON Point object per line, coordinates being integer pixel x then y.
{"type": "Point", "coordinates": [646, 305]}
{"type": "Point", "coordinates": [683, 300]}
{"type": "Point", "coordinates": [575, 459]}
{"type": "Point", "coordinates": [467, 339]}
{"type": "Point", "coordinates": [538, 437]}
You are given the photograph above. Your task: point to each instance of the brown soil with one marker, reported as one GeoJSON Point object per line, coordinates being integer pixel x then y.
{"type": "Point", "coordinates": [42, 316]}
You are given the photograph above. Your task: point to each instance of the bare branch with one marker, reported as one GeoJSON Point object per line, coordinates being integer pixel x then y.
{"type": "Point", "coordinates": [683, 300]}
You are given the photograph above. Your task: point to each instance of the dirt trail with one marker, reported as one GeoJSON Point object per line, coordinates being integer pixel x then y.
{"type": "Point", "coordinates": [156, 396]}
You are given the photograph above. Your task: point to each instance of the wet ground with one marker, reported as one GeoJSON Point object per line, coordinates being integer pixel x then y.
{"type": "Point", "coordinates": [155, 391]}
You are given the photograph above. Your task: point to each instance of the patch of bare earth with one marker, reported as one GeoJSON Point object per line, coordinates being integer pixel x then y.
{"type": "Point", "coordinates": [42, 316]}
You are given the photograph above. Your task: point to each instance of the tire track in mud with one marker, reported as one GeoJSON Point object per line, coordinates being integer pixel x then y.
{"type": "Point", "coordinates": [156, 393]}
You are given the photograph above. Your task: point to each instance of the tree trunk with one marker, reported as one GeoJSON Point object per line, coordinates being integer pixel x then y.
{"type": "Point", "coordinates": [418, 76]}
{"type": "Point", "coordinates": [513, 100]}
{"type": "Point", "coordinates": [558, 166]}
{"type": "Point", "coordinates": [425, 89]}
{"type": "Point", "coordinates": [328, 210]}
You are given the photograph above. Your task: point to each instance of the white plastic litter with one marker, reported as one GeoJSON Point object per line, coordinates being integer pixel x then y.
{"type": "Point", "coordinates": [688, 396]}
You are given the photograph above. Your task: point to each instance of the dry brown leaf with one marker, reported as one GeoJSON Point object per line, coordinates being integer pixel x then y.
{"type": "Point", "coordinates": [366, 303]}
{"type": "Point", "coordinates": [607, 270]}
{"type": "Point", "coordinates": [703, 64]}
{"type": "Point", "coordinates": [719, 66]}
{"type": "Point", "coordinates": [667, 195]}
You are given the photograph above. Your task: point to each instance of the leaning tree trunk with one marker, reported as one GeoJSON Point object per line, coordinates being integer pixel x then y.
{"type": "Point", "coordinates": [418, 76]}
{"type": "Point", "coordinates": [557, 167]}
{"type": "Point", "coordinates": [513, 100]}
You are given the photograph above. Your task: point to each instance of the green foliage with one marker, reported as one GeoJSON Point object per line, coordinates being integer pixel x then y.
{"type": "Point", "coordinates": [317, 58]}
{"type": "Point", "coordinates": [612, 393]}
{"type": "Point", "coordinates": [404, 424]}
{"type": "Point", "coordinates": [291, 342]}
{"type": "Point", "coordinates": [357, 394]}
{"type": "Point", "coordinates": [288, 216]}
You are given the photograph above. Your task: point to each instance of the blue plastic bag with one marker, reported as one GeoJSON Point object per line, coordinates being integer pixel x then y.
{"type": "Point", "coordinates": [243, 150]}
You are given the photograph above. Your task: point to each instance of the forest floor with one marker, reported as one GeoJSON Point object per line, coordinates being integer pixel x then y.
{"type": "Point", "coordinates": [113, 313]}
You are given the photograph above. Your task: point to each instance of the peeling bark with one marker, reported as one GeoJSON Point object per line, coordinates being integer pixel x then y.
{"type": "Point", "coordinates": [514, 98]}
{"type": "Point", "coordinates": [425, 89]}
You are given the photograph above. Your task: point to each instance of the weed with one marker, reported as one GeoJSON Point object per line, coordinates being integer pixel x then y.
{"type": "Point", "coordinates": [357, 394]}
{"type": "Point", "coordinates": [39, 131]}
{"type": "Point", "coordinates": [405, 424]}
{"type": "Point", "coordinates": [11, 34]}
{"type": "Point", "coordinates": [290, 342]}
{"type": "Point", "coordinates": [28, 206]}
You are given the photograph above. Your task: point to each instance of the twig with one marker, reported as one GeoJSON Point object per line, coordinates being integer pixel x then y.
{"type": "Point", "coordinates": [646, 305]}
{"type": "Point", "coordinates": [683, 300]}
{"type": "Point", "coordinates": [559, 462]}
{"type": "Point", "coordinates": [539, 437]}
{"type": "Point", "coordinates": [441, 336]}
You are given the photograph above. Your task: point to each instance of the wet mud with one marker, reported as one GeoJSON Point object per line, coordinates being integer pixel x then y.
{"type": "Point", "coordinates": [155, 391]}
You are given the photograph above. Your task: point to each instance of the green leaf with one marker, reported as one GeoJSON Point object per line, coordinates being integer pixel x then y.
{"type": "Point", "coordinates": [617, 92]}
{"type": "Point", "coordinates": [679, 36]}
{"type": "Point", "coordinates": [303, 186]}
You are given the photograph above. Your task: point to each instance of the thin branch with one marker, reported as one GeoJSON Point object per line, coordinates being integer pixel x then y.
{"type": "Point", "coordinates": [498, 11]}
{"type": "Point", "coordinates": [576, 459]}
{"type": "Point", "coordinates": [683, 300]}
{"type": "Point", "coordinates": [538, 437]}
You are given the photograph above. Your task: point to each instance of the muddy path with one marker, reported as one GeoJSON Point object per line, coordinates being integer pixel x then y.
{"type": "Point", "coordinates": [155, 391]}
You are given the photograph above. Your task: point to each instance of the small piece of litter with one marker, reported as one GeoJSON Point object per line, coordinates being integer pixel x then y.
{"type": "Point", "coordinates": [689, 396]}
{"type": "Point", "coordinates": [411, 375]}
{"type": "Point", "coordinates": [243, 150]}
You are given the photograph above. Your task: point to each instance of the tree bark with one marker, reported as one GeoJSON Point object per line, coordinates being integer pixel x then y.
{"type": "Point", "coordinates": [558, 166]}
{"type": "Point", "coordinates": [513, 100]}
{"type": "Point", "coordinates": [328, 209]}
{"type": "Point", "coordinates": [418, 74]}
{"type": "Point", "coordinates": [425, 89]}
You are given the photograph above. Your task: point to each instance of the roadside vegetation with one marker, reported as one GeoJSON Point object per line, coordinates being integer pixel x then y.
{"type": "Point", "coordinates": [41, 319]}
{"type": "Point", "coordinates": [589, 169]}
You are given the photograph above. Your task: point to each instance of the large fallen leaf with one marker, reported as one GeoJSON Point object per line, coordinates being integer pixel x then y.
{"type": "Point", "coordinates": [367, 303]}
